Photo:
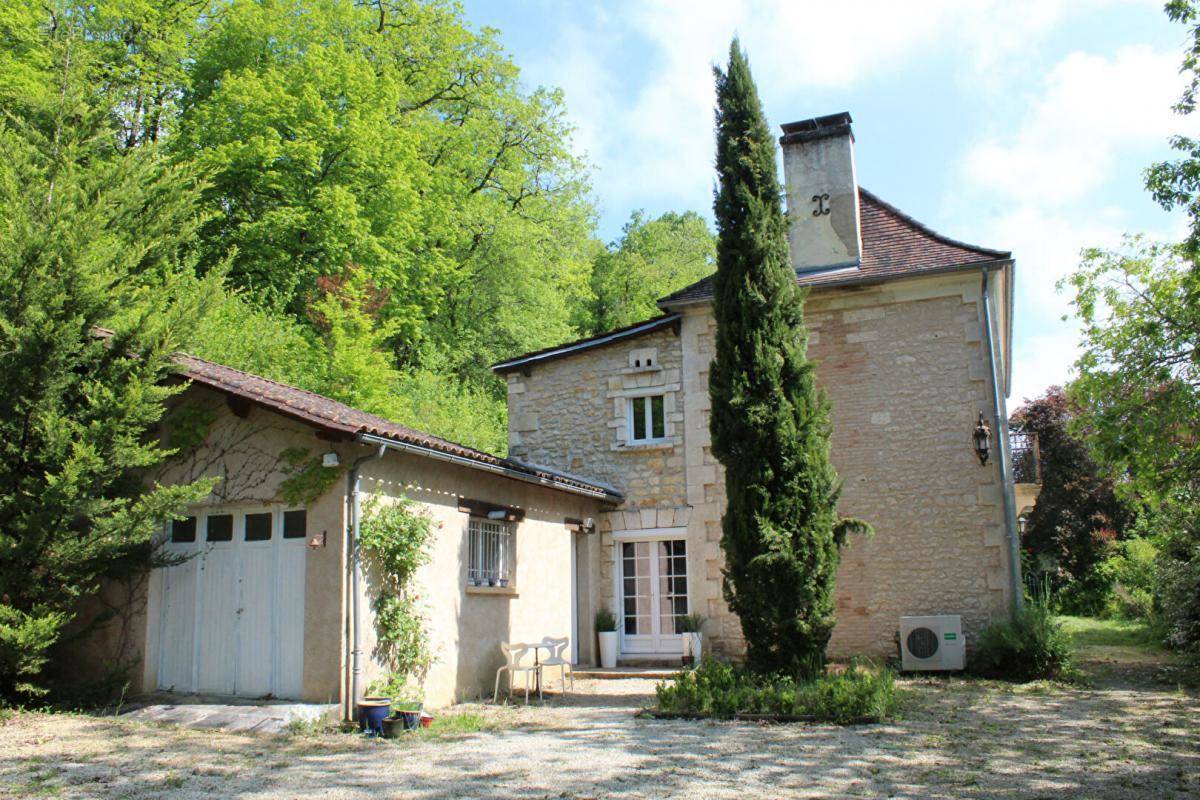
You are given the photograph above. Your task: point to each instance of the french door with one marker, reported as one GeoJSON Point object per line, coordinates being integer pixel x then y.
{"type": "Point", "coordinates": [653, 596]}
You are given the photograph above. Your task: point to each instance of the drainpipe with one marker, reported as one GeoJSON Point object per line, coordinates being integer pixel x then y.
{"type": "Point", "coordinates": [1004, 462]}
{"type": "Point", "coordinates": [354, 514]}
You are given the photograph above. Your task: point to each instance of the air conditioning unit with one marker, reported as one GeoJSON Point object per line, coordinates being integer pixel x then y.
{"type": "Point", "coordinates": [932, 643]}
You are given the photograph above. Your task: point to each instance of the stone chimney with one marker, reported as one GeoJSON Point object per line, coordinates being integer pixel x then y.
{"type": "Point", "coordinates": [822, 193]}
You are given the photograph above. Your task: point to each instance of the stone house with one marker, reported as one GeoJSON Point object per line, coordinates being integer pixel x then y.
{"type": "Point", "coordinates": [911, 332]}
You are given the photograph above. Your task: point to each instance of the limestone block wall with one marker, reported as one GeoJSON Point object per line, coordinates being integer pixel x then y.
{"type": "Point", "coordinates": [571, 414]}
{"type": "Point", "coordinates": [905, 369]}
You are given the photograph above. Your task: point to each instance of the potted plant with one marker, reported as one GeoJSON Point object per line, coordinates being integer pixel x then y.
{"type": "Point", "coordinates": [371, 713]}
{"type": "Point", "coordinates": [606, 632]}
{"type": "Point", "coordinates": [693, 640]}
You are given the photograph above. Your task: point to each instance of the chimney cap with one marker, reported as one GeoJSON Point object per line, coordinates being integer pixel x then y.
{"type": "Point", "coordinates": [809, 130]}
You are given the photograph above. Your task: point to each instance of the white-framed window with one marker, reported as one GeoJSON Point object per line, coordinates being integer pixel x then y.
{"type": "Point", "coordinates": [490, 548]}
{"type": "Point", "coordinates": [647, 418]}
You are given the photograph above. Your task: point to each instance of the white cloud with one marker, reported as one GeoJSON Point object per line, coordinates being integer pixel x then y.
{"type": "Point", "coordinates": [1048, 175]}
{"type": "Point", "coordinates": [1091, 107]}
{"type": "Point", "coordinates": [657, 148]}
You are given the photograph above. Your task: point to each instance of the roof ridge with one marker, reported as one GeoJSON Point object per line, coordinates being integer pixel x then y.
{"type": "Point", "coordinates": [281, 384]}
{"type": "Point", "coordinates": [923, 228]}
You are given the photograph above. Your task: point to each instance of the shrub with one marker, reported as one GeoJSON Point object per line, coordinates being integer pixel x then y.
{"type": "Point", "coordinates": [716, 689]}
{"type": "Point", "coordinates": [1132, 571]}
{"type": "Point", "coordinates": [1030, 646]}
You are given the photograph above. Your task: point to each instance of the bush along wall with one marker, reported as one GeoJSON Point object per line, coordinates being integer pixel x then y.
{"type": "Point", "coordinates": [855, 695]}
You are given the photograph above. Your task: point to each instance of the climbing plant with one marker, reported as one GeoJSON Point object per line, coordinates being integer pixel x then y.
{"type": "Point", "coordinates": [307, 477]}
{"type": "Point", "coordinates": [394, 537]}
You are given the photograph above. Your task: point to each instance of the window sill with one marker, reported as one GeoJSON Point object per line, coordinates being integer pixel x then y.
{"type": "Point", "coordinates": [511, 591]}
{"type": "Point", "coordinates": [642, 447]}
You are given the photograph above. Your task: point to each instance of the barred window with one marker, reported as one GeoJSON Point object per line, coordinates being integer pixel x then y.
{"type": "Point", "coordinates": [490, 545]}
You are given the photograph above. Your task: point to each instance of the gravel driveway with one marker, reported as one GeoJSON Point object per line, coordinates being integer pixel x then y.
{"type": "Point", "coordinates": [957, 739]}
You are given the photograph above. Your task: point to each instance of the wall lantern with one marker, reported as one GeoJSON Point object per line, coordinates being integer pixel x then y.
{"type": "Point", "coordinates": [983, 439]}
{"type": "Point", "coordinates": [330, 459]}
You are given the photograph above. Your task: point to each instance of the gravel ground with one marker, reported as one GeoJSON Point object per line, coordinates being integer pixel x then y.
{"type": "Point", "coordinates": [957, 738]}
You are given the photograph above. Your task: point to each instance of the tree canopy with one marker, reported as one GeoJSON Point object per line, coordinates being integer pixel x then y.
{"type": "Point", "coordinates": [385, 208]}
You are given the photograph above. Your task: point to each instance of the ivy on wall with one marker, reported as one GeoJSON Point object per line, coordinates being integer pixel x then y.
{"type": "Point", "coordinates": [188, 426]}
{"type": "Point", "coordinates": [307, 477]}
{"type": "Point", "coordinates": [394, 537]}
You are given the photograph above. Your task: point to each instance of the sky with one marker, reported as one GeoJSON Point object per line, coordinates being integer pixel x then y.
{"type": "Point", "coordinates": [1021, 125]}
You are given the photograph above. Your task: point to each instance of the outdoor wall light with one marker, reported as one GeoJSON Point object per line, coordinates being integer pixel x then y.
{"type": "Point", "coordinates": [330, 459]}
{"type": "Point", "coordinates": [983, 439]}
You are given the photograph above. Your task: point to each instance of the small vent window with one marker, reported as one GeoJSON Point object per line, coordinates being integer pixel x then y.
{"type": "Point", "coordinates": [183, 530]}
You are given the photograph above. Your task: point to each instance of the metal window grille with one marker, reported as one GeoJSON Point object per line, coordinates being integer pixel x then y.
{"type": "Point", "coordinates": [1026, 464]}
{"type": "Point", "coordinates": [490, 546]}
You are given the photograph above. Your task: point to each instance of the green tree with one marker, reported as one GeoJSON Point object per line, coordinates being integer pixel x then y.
{"type": "Point", "coordinates": [1138, 391]}
{"type": "Point", "coordinates": [79, 227]}
{"type": "Point", "coordinates": [1078, 517]}
{"type": "Point", "coordinates": [653, 258]}
{"type": "Point", "coordinates": [390, 139]}
{"type": "Point", "coordinates": [770, 424]}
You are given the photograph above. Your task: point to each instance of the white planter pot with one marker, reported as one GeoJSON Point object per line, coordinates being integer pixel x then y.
{"type": "Point", "coordinates": [696, 643]}
{"type": "Point", "coordinates": [608, 649]}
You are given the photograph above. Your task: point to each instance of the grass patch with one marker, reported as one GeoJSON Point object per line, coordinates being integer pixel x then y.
{"type": "Point", "coordinates": [445, 726]}
{"type": "Point", "coordinates": [724, 691]}
{"type": "Point", "coordinates": [1086, 632]}
{"type": "Point", "coordinates": [302, 726]}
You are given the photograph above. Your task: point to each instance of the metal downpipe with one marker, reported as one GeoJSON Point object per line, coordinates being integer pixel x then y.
{"type": "Point", "coordinates": [1004, 462]}
{"type": "Point", "coordinates": [354, 509]}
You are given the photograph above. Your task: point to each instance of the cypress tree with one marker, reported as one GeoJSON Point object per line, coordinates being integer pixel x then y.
{"type": "Point", "coordinates": [770, 424]}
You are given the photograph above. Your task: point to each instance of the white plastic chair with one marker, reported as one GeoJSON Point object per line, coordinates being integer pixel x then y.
{"type": "Point", "coordinates": [557, 658]}
{"type": "Point", "coordinates": [514, 652]}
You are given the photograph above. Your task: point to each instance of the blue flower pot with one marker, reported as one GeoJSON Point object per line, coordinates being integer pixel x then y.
{"type": "Point", "coordinates": [371, 713]}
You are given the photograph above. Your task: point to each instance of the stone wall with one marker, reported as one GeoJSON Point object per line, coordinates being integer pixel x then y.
{"type": "Point", "coordinates": [571, 414]}
{"type": "Point", "coordinates": [905, 370]}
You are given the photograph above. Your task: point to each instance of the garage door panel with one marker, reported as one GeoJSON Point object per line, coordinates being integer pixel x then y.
{"type": "Point", "coordinates": [290, 619]}
{"type": "Point", "coordinates": [232, 617]}
{"type": "Point", "coordinates": [217, 646]}
{"type": "Point", "coordinates": [255, 636]}
{"type": "Point", "coordinates": [179, 620]}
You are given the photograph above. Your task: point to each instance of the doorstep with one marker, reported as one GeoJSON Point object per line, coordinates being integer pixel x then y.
{"type": "Point", "coordinates": [616, 673]}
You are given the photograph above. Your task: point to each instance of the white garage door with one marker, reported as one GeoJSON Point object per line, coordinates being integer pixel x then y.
{"type": "Point", "coordinates": [233, 612]}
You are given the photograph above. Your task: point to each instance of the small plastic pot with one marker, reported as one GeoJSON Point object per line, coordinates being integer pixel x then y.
{"type": "Point", "coordinates": [426, 719]}
{"type": "Point", "coordinates": [392, 726]}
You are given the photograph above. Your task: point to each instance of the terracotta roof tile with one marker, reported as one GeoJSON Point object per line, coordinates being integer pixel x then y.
{"type": "Point", "coordinates": [894, 246]}
{"type": "Point", "coordinates": [335, 417]}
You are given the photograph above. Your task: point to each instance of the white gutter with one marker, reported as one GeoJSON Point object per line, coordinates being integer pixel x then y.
{"type": "Point", "coordinates": [1004, 462]}
{"type": "Point", "coordinates": [427, 452]}
{"type": "Point", "coordinates": [354, 509]}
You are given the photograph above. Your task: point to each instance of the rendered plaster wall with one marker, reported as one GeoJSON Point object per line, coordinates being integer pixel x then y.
{"type": "Point", "coordinates": [467, 624]}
